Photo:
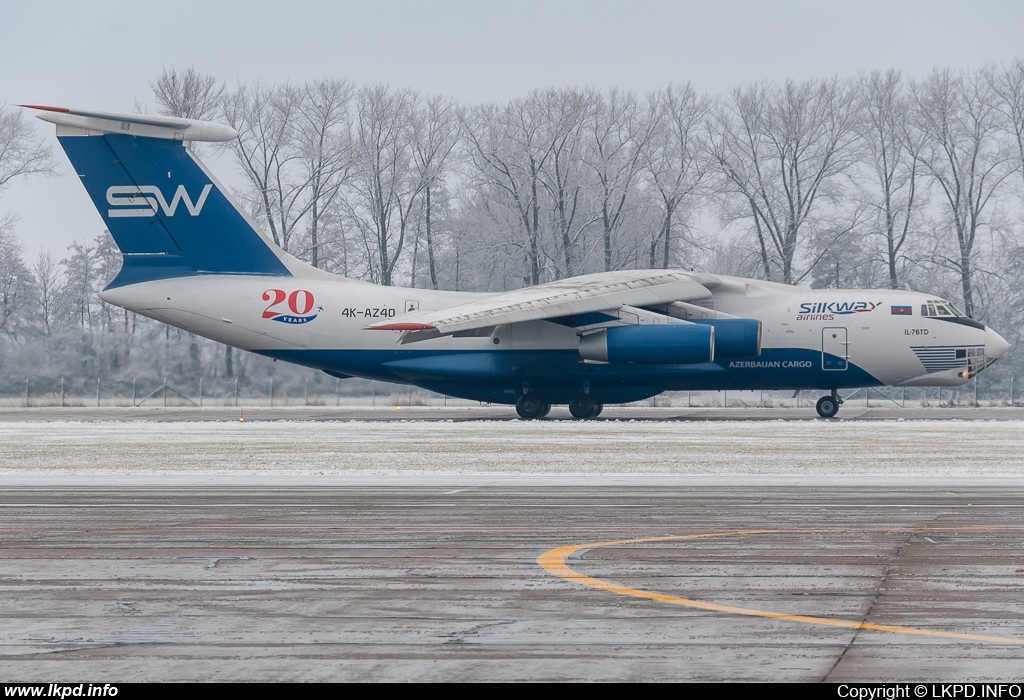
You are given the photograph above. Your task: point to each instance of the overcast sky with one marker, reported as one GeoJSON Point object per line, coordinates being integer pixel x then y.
{"type": "Point", "coordinates": [103, 55]}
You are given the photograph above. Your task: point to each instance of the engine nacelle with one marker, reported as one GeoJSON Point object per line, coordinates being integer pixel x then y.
{"type": "Point", "coordinates": [735, 337]}
{"type": "Point", "coordinates": [674, 344]}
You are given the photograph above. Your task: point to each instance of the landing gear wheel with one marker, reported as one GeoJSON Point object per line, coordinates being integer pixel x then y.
{"type": "Point", "coordinates": [597, 410]}
{"type": "Point", "coordinates": [544, 410]}
{"type": "Point", "coordinates": [583, 407]}
{"type": "Point", "coordinates": [529, 407]}
{"type": "Point", "coordinates": [827, 407]}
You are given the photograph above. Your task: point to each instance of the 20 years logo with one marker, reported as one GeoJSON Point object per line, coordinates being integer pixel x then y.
{"type": "Point", "coordinates": [300, 304]}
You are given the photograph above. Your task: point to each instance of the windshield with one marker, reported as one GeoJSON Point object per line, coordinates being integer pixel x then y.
{"type": "Point", "coordinates": [939, 308]}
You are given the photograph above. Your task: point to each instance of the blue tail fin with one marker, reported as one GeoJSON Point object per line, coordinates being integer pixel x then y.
{"type": "Point", "coordinates": [167, 214]}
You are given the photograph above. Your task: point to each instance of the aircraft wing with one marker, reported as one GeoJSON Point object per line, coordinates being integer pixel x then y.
{"type": "Point", "coordinates": [576, 295]}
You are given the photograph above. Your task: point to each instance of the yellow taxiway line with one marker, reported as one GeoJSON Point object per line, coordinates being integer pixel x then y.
{"type": "Point", "coordinates": [554, 562]}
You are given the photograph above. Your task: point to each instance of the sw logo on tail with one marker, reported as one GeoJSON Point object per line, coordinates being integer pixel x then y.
{"type": "Point", "coordinates": [130, 204]}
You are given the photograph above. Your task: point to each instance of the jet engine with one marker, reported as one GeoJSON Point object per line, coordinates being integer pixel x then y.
{"type": "Point", "coordinates": [735, 337]}
{"type": "Point", "coordinates": [673, 344]}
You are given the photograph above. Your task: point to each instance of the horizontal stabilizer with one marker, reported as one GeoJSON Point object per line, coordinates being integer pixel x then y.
{"type": "Point", "coordinates": [157, 127]}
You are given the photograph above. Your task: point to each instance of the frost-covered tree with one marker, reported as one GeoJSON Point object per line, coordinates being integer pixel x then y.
{"type": "Point", "coordinates": [564, 175]}
{"type": "Point", "coordinates": [80, 285]}
{"type": "Point", "coordinates": [263, 117]}
{"type": "Point", "coordinates": [188, 94]}
{"type": "Point", "coordinates": [1008, 89]}
{"type": "Point", "coordinates": [508, 148]}
{"type": "Point", "coordinates": [891, 163]}
{"type": "Point", "coordinates": [386, 183]}
{"type": "Point", "coordinates": [966, 161]}
{"type": "Point", "coordinates": [676, 161]}
{"type": "Point", "coordinates": [22, 152]}
{"type": "Point", "coordinates": [322, 135]}
{"type": "Point", "coordinates": [50, 291]}
{"type": "Point", "coordinates": [617, 137]}
{"type": "Point", "coordinates": [17, 287]}
{"type": "Point", "coordinates": [783, 152]}
{"type": "Point", "coordinates": [436, 134]}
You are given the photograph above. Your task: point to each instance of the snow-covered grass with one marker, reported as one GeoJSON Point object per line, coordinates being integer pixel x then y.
{"type": "Point", "coordinates": [562, 448]}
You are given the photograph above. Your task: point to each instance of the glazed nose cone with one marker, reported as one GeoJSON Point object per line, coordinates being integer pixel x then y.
{"type": "Point", "coordinates": [995, 344]}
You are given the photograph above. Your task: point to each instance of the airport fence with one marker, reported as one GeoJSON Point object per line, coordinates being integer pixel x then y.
{"type": "Point", "coordinates": [67, 393]}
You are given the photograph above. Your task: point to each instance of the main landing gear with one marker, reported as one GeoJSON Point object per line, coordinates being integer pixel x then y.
{"type": "Point", "coordinates": [583, 407]}
{"type": "Point", "coordinates": [828, 406]}
{"type": "Point", "coordinates": [529, 407]}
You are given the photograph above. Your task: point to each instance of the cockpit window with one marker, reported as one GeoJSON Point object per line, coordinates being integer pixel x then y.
{"type": "Point", "coordinates": [939, 309]}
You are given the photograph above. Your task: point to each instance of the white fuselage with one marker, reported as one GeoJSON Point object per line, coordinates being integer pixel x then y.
{"type": "Point", "coordinates": [880, 332]}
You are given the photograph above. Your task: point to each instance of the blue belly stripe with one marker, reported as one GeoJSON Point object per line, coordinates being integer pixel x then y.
{"type": "Point", "coordinates": [500, 376]}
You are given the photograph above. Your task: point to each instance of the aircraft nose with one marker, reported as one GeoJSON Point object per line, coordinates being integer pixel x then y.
{"type": "Point", "coordinates": [995, 344]}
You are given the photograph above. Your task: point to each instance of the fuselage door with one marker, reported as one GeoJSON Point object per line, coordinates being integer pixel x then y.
{"type": "Point", "coordinates": [835, 349]}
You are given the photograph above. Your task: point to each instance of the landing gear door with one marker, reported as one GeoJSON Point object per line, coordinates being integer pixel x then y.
{"type": "Point", "coordinates": [835, 349]}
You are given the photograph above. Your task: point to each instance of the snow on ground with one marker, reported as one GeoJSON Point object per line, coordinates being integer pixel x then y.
{"type": "Point", "coordinates": [934, 448]}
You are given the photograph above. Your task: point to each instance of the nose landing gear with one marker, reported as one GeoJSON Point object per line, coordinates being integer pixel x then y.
{"type": "Point", "coordinates": [828, 406]}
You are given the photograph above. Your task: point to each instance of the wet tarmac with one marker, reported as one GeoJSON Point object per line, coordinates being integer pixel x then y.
{"type": "Point", "coordinates": [462, 579]}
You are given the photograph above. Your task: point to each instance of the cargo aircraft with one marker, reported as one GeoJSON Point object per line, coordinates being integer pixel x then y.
{"type": "Point", "coordinates": [195, 260]}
